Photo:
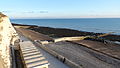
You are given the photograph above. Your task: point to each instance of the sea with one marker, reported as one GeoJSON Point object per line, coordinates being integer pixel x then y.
{"type": "Point", "coordinates": [97, 25]}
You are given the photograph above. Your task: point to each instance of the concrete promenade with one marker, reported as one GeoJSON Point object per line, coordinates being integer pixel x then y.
{"type": "Point", "coordinates": [77, 53]}
{"type": "Point", "coordinates": [54, 63]}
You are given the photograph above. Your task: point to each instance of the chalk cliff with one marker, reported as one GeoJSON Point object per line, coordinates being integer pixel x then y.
{"type": "Point", "coordinates": [8, 37]}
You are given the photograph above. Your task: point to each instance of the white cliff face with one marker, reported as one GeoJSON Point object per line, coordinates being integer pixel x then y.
{"type": "Point", "coordinates": [7, 37]}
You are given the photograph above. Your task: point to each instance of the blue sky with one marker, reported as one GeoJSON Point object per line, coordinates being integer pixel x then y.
{"type": "Point", "coordinates": [60, 8]}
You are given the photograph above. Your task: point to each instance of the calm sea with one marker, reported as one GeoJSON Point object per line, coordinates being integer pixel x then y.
{"type": "Point", "coordinates": [99, 25]}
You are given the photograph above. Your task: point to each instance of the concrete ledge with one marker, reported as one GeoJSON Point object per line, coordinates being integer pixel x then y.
{"type": "Point", "coordinates": [72, 64]}
{"type": "Point", "coordinates": [31, 56]}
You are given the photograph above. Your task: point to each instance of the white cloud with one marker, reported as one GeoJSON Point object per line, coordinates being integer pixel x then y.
{"type": "Point", "coordinates": [42, 11]}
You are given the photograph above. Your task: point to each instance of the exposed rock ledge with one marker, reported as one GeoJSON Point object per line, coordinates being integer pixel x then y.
{"type": "Point", "coordinates": [8, 36]}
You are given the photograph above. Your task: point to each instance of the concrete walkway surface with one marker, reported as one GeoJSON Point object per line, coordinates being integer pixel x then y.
{"type": "Point", "coordinates": [53, 62]}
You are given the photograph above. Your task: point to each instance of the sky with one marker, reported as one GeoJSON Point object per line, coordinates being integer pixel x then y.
{"type": "Point", "coordinates": [60, 8]}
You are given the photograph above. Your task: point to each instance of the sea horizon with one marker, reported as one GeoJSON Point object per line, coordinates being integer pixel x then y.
{"type": "Point", "coordinates": [74, 18]}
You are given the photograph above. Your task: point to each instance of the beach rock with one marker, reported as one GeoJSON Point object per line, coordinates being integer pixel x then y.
{"type": "Point", "coordinates": [63, 32]}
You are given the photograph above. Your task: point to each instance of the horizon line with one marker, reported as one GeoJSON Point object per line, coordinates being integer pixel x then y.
{"type": "Point", "coordinates": [64, 18]}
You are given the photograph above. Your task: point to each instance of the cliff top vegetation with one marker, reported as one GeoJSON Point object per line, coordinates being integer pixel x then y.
{"type": "Point", "coordinates": [2, 15]}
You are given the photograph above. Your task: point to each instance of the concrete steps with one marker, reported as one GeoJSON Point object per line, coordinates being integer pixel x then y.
{"type": "Point", "coordinates": [31, 56]}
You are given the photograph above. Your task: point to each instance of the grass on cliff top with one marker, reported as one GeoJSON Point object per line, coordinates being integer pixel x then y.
{"type": "Point", "coordinates": [2, 15]}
